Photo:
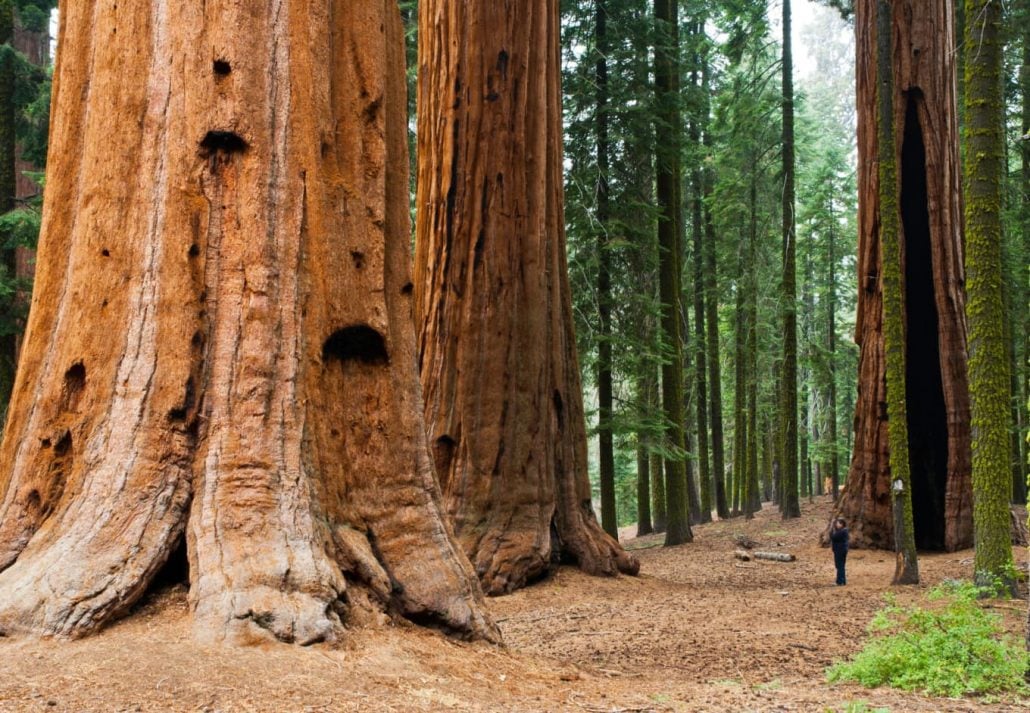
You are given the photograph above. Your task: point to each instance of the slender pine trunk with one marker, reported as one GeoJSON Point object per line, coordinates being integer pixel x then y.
{"type": "Point", "coordinates": [644, 526]}
{"type": "Point", "coordinates": [739, 381]}
{"type": "Point", "coordinates": [668, 175]}
{"type": "Point", "coordinates": [700, 366]}
{"type": "Point", "coordinates": [789, 506]}
{"type": "Point", "coordinates": [831, 350]}
{"type": "Point", "coordinates": [712, 310]}
{"type": "Point", "coordinates": [609, 520]}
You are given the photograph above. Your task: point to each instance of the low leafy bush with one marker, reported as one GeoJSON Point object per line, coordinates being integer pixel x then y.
{"type": "Point", "coordinates": [950, 648]}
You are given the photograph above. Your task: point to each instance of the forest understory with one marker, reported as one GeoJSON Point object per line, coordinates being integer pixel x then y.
{"type": "Point", "coordinates": [696, 631]}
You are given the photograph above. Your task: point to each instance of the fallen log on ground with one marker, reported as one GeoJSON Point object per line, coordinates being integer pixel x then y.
{"type": "Point", "coordinates": [773, 556]}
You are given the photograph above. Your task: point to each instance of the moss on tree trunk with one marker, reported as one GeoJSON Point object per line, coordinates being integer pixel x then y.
{"type": "Point", "coordinates": [988, 366]}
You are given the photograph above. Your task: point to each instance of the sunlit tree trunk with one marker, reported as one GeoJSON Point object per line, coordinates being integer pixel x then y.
{"type": "Point", "coordinates": [220, 346]}
{"type": "Point", "coordinates": [497, 352]}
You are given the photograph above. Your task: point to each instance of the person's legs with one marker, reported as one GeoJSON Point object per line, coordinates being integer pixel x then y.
{"type": "Point", "coordinates": [839, 559]}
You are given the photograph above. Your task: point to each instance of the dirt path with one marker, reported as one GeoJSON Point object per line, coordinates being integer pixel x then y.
{"type": "Point", "coordinates": [696, 632]}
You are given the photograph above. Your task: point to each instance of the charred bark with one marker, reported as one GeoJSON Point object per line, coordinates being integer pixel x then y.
{"type": "Point", "coordinates": [219, 346]}
{"type": "Point", "coordinates": [497, 353]}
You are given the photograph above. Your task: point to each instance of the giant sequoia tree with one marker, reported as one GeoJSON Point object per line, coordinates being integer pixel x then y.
{"type": "Point", "coordinates": [936, 400]}
{"type": "Point", "coordinates": [496, 346]}
{"type": "Point", "coordinates": [219, 348]}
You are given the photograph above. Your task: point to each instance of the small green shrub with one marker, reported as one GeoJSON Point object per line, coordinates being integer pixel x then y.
{"type": "Point", "coordinates": [951, 649]}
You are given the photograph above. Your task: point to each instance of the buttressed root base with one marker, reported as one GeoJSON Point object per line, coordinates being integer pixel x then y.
{"type": "Point", "coordinates": [220, 345]}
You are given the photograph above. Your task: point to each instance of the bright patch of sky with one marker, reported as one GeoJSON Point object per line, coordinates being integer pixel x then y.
{"type": "Point", "coordinates": [811, 24]}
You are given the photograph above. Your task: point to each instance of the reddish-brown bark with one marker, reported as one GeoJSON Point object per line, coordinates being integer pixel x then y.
{"type": "Point", "coordinates": [924, 91]}
{"type": "Point", "coordinates": [493, 309]}
{"type": "Point", "coordinates": [220, 344]}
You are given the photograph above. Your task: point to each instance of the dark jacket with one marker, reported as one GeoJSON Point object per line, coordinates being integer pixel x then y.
{"type": "Point", "coordinates": [839, 539]}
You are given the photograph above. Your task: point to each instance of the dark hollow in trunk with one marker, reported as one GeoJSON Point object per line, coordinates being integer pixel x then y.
{"type": "Point", "coordinates": [927, 427]}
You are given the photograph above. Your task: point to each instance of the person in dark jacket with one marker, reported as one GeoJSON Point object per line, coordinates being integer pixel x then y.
{"type": "Point", "coordinates": [839, 542]}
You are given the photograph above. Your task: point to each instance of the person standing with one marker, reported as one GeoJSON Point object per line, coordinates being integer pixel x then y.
{"type": "Point", "coordinates": [839, 538]}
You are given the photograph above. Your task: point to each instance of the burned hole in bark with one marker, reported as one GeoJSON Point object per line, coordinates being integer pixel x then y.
{"type": "Point", "coordinates": [358, 343]}
{"type": "Point", "coordinates": [194, 250]}
{"type": "Point", "coordinates": [180, 412]}
{"type": "Point", "coordinates": [927, 417]}
{"type": "Point", "coordinates": [105, 252]}
{"type": "Point", "coordinates": [173, 574]}
{"type": "Point", "coordinates": [372, 109]}
{"type": "Point", "coordinates": [408, 288]}
{"type": "Point", "coordinates": [559, 409]}
{"type": "Point", "coordinates": [64, 445]}
{"type": "Point", "coordinates": [227, 142]}
{"type": "Point", "coordinates": [443, 455]}
{"type": "Point", "coordinates": [358, 258]}
{"type": "Point", "coordinates": [74, 384]}
{"type": "Point", "coordinates": [34, 500]}
{"type": "Point", "coordinates": [221, 67]}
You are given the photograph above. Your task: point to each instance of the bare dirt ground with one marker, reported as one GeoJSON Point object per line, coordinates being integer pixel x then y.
{"type": "Point", "coordinates": [696, 631]}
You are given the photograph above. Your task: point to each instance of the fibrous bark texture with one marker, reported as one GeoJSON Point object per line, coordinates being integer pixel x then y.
{"type": "Point", "coordinates": [496, 346]}
{"type": "Point", "coordinates": [937, 402]}
{"type": "Point", "coordinates": [219, 344]}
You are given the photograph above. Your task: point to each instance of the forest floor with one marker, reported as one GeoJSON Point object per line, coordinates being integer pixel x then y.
{"type": "Point", "coordinates": [696, 631]}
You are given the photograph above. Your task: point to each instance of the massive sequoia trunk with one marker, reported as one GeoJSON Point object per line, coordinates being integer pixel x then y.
{"type": "Point", "coordinates": [937, 401]}
{"type": "Point", "coordinates": [493, 309]}
{"type": "Point", "coordinates": [220, 346]}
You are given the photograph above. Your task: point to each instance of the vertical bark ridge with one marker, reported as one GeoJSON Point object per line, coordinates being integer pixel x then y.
{"type": "Point", "coordinates": [268, 361]}
{"type": "Point", "coordinates": [498, 362]}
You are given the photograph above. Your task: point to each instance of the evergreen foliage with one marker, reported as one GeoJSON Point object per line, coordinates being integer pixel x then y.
{"type": "Point", "coordinates": [24, 123]}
